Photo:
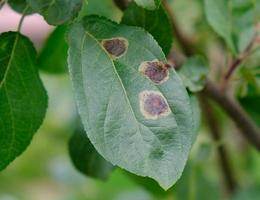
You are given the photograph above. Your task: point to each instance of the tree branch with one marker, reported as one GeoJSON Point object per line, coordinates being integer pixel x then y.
{"type": "Point", "coordinates": [222, 153]}
{"type": "Point", "coordinates": [249, 130]}
{"type": "Point", "coordinates": [185, 43]}
{"type": "Point", "coordinates": [237, 61]}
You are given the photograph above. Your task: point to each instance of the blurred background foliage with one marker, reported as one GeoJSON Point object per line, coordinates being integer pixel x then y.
{"type": "Point", "coordinates": [45, 170]}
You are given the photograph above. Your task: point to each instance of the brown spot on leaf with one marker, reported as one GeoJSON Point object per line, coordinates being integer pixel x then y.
{"type": "Point", "coordinates": [116, 47]}
{"type": "Point", "coordinates": [153, 105]}
{"type": "Point", "coordinates": [156, 71]}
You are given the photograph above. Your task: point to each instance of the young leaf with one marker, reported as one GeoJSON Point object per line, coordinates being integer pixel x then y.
{"type": "Point", "coordinates": [23, 100]}
{"type": "Point", "coordinates": [149, 4]}
{"type": "Point", "coordinates": [219, 17]}
{"type": "Point", "coordinates": [135, 122]}
{"type": "Point", "coordinates": [53, 57]}
{"type": "Point", "coordinates": [156, 22]}
{"type": "Point", "coordinates": [85, 157]}
{"type": "Point", "coordinates": [194, 73]}
{"type": "Point", "coordinates": [56, 12]}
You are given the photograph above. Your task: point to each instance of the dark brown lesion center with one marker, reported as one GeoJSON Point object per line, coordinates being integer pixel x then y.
{"type": "Point", "coordinates": [156, 71]}
{"type": "Point", "coordinates": [153, 104]}
{"type": "Point", "coordinates": [116, 47]}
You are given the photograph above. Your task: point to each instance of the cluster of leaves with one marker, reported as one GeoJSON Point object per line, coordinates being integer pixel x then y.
{"type": "Point", "coordinates": [107, 88]}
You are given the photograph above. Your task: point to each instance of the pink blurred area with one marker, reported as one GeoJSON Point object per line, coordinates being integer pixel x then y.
{"type": "Point", "coordinates": [34, 26]}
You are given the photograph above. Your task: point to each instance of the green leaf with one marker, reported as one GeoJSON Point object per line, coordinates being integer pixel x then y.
{"type": "Point", "coordinates": [20, 6]}
{"type": "Point", "coordinates": [149, 4]}
{"type": "Point", "coordinates": [251, 105]}
{"type": "Point", "coordinates": [56, 12]}
{"type": "Point", "coordinates": [53, 56]}
{"type": "Point", "coordinates": [194, 73]}
{"type": "Point", "coordinates": [196, 114]}
{"type": "Point", "coordinates": [23, 100]}
{"type": "Point", "coordinates": [156, 22]}
{"type": "Point", "coordinates": [218, 15]}
{"type": "Point", "coordinates": [140, 125]}
{"type": "Point", "coordinates": [85, 157]}
{"type": "Point", "coordinates": [106, 9]}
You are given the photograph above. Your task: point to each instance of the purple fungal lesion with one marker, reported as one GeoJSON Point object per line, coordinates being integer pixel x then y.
{"type": "Point", "coordinates": [153, 105]}
{"type": "Point", "coordinates": [116, 47]}
{"type": "Point", "coordinates": [156, 71]}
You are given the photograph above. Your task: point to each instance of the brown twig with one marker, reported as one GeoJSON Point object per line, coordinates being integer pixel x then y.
{"type": "Point", "coordinates": [222, 153]}
{"type": "Point", "coordinates": [249, 130]}
{"type": "Point", "coordinates": [237, 61]}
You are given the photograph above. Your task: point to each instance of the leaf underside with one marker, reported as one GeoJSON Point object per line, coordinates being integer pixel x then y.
{"type": "Point", "coordinates": [85, 157]}
{"type": "Point", "coordinates": [107, 95]}
{"type": "Point", "coordinates": [149, 4]}
{"type": "Point", "coordinates": [23, 100]}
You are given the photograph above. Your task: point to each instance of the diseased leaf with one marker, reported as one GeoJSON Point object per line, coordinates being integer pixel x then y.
{"type": "Point", "coordinates": [194, 73]}
{"type": "Point", "coordinates": [56, 12]}
{"type": "Point", "coordinates": [85, 157]}
{"type": "Point", "coordinates": [53, 56]}
{"type": "Point", "coordinates": [23, 100]}
{"type": "Point", "coordinates": [149, 4]}
{"type": "Point", "coordinates": [138, 124]}
{"type": "Point", "coordinates": [218, 15]}
{"type": "Point", "coordinates": [156, 22]}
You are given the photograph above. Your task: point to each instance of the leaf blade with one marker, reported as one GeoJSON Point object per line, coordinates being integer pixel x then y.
{"type": "Point", "coordinates": [113, 126]}
{"type": "Point", "coordinates": [22, 96]}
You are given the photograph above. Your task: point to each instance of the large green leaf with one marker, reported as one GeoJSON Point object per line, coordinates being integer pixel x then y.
{"type": "Point", "coordinates": [53, 56]}
{"type": "Point", "coordinates": [23, 100]}
{"type": "Point", "coordinates": [141, 125]}
{"type": "Point", "coordinates": [194, 73]}
{"type": "Point", "coordinates": [156, 22]}
{"type": "Point", "coordinates": [85, 157]}
{"type": "Point", "coordinates": [218, 15]}
{"type": "Point", "coordinates": [56, 12]}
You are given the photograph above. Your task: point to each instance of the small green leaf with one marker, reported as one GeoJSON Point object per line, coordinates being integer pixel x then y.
{"type": "Point", "coordinates": [156, 22]}
{"type": "Point", "coordinates": [149, 4]}
{"type": "Point", "coordinates": [106, 9]}
{"type": "Point", "coordinates": [23, 100]}
{"type": "Point", "coordinates": [251, 105]}
{"type": "Point", "coordinates": [117, 100]}
{"type": "Point", "coordinates": [194, 73]}
{"type": "Point", "coordinates": [56, 12]}
{"type": "Point", "coordinates": [20, 6]}
{"type": "Point", "coordinates": [218, 15]}
{"type": "Point", "coordinates": [53, 56]}
{"type": "Point", "coordinates": [85, 157]}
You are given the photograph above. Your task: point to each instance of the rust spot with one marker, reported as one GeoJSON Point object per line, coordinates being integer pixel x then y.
{"type": "Point", "coordinates": [116, 47]}
{"type": "Point", "coordinates": [156, 71]}
{"type": "Point", "coordinates": [153, 105]}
